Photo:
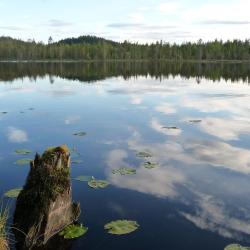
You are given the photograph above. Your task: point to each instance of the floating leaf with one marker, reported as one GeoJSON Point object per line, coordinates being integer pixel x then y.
{"type": "Point", "coordinates": [120, 227]}
{"type": "Point", "coordinates": [24, 161]}
{"type": "Point", "coordinates": [84, 178]}
{"type": "Point", "coordinates": [13, 193]}
{"type": "Point", "coordinates": [23, 151]}
{"type": "Point", "coordinates": [80, 134]}
{"type": "Point", "coordinates": [124, 171]}
{"type": "Point", "coordinates": [73, 231]}
{"type": "Point", "coordinates": [96, 184]}
{"type": "Point", "coordinates": [236, 247]}
{"type": "Point", "coordinates": [173, 127]}
{"type": "Point", "coordinates": [150, 165]}
{"type": "Point", "coordinates": [195, 121]}
{"type": "Point", "coordinates": [76, 161]}
{"type": "Point", "coordinates": [143, 154]}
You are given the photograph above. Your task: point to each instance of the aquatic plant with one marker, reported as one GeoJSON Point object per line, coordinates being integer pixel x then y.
{"type": "Point", "coordinates": [76, 161]}
{"type": "Point", "coordinates": [171, 127]}
{"type": "Point", "coordinates": [143, 154]}
{"type": "Point", "coordinates": [195, 121]}
{"type": "Point", "coordinates": [120, 227]}
{"type": "Point", "coordinates": [236, 247]}
{"type": "Point", "coordinates": [124, 171]}
{"type": "Point", "coordinates": [3, 231]}
{"type": "Point", "coordinates": [24, 161]}
{"type": "Point", "coordinates": [23, 151]}
{"type": "Point", "coordinates": [96, 184]}
{"type": "Point", "coordinates": [84, 178]}
{"type": "Point", "coordinates": [150, 165]}
{"type": "Point", "coordinates": [13, 193]}
{"type": "Point", "coordinates": [73, 231]}
{"type": "Point", "coordinates": [80, 134]}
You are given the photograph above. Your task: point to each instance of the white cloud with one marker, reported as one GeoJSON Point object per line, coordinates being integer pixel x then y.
{"type": "Point", "coordinates": [16, 135]}
{"type": "Point", "coordinates": [72, 119]}
{"type": "Point", "coordinates": [166, 108]}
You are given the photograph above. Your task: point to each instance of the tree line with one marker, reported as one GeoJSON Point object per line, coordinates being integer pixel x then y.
{"type": "Point", "coordinates": [94, 48]}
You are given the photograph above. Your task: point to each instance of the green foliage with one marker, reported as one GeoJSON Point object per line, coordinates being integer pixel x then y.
{"type": "Point", "coordinates": [236, 247]}
{"type": "Point", "coordinates": [24, 161]}
{"type": "Point", "coordinates": [124, 171]}
{"type": "Point", "coordinates": [73, 231]}
{"type": "Point", "coordinates": [94, 48]}
{"type": "Point", "coordinates": [120, 227]}
{"type": "Point", "coordinates": [23, 151]}
{"type": "Point", "coordinates": [84, 178]}
{"type": "Point", "coordinates": [150, 165]}
{"type": "Point", "coordinates": [143, 154]}
{"type": "Point", "coordinates": [97, 184]}
{"type": "Point", "coordinates": [13, 193]}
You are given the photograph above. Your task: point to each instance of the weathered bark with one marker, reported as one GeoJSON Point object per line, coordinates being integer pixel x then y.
{"type": "Point", "coordinates": [45, 205]}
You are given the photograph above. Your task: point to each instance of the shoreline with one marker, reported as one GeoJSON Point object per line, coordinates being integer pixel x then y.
{"type": "Point", "coordinates": [126, 61]}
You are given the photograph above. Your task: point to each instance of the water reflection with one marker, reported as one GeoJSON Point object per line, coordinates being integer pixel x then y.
{"type": "Point", "coordinates": [96, 71]}
{"type": "Point", "coordinates": [198, 133]}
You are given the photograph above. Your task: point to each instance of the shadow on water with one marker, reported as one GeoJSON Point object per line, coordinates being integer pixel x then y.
{"type": "Point", "coordinates": [44, 206]}
{"type": "Point", "coordinates": [96, 71]}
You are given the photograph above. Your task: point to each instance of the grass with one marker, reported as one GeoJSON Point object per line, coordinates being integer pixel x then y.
{"type": "Point", "coordinates": [3, 230]}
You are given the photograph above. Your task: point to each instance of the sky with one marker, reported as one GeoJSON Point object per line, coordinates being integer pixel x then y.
{"type": "Point", "coordinates": [133, 20]}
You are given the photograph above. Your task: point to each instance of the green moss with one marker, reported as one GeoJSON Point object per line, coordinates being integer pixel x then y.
{"type": "Point", "coordinates": [96, 184]}
{"type": "Point", "coordinates": [13, 193]}
{"type": "Point", "coordinates": [236, 247]}
{"type": "Point", "coordinates": [124, 171]}
{"type": "Point", "coordinates": [24, 161]}
{"type": "Point", "coordinates": [73, 231]}
{"type": "Point", "coordinates": [120, 227]}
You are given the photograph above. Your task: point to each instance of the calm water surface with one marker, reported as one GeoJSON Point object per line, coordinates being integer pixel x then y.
{"type": "Point", "coordinates": [199, 196]}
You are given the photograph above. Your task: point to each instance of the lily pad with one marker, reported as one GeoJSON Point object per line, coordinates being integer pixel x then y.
{"type": "Point", "coordinates": [96, 184]}
{"type": "Point", "coordinates": [73, 231]}
{"type": "Point", "coordinates": [195, 121]}
{"type": "Point", "coordinates": [150, 165]}
{"type": "Point", "coordinates": [76, 161]}
{"type": "Point", "coordinates": [13, 193]}
{"type": "Point", "coordinates": [120, 227]}
{"type": "Point", "coordinates": [84, 178]}
{"type": "Point", "coordinates": [80, 134]}
{"type": "Point", "coordinates": [24, 161]}
{"type": "Point", "coordinates": [143, 154]}
{"type": "Point", "coordinates": [124, 171]}
{"type": "Point", "coordinates": [23, 151]}
{"type": "Point", "coordinates": [236, 247]}
{"type": "Point", "coordinates": [171, 127]}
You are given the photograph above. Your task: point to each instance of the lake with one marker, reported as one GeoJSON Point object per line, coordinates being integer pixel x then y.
{"type": "Point", "coordinates": [193, 119]}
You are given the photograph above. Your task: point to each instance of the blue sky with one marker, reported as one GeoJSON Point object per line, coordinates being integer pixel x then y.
{"type": "Point", "coordinates": [133, 20]}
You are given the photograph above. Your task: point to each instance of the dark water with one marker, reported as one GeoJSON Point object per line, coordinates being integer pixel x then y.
{"type": "Point", "coordinates": [199, 196]}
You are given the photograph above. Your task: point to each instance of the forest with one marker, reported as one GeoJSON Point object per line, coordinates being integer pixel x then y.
{"type": "Point", "coordinates": [91, 48]}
